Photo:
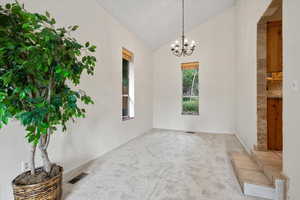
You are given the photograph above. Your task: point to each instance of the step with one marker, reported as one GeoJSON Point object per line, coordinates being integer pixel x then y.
{"type": "Point", "coordinates": [270, 163]}
{"type": "Point", "coordinates": [251, 178]}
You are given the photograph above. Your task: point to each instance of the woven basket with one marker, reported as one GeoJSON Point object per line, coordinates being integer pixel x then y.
{"type": "Point", "coordinates": [47, 190]}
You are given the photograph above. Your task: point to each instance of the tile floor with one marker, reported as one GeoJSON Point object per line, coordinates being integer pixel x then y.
{"type": "Point", "coordinates": [163, 165]}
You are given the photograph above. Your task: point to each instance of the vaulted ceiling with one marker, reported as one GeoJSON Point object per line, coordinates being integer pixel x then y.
{"type": "Point", "coordinates": [157, 22]}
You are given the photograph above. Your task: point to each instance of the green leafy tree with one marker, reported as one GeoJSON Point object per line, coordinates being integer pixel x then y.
{"type": "Point", "coordinates": [39, 66]}
{"type": "Point", "coordinates": [190, 80]}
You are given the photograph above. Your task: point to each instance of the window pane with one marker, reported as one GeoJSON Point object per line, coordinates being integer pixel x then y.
{"type": "Point", "coordinates": [125, 110]}
{"type": "Point", "coordinates": [125, 74]}
{"type": "Point", "coordinates": [125, 88]}
{"type": "Point", "coordinates": [190, 105]}
{"type": "Point", "coordinates": [190, 91]}
{"type": "Point", "coordinates": [190, 82]}
{"type": "Point", "coordinates": [127, 85]}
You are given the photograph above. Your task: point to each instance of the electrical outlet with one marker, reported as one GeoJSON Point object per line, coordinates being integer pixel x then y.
{"type": "Point", "coordinates": [24, 166]}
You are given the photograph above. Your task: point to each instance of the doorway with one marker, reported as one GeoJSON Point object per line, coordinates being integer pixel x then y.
{"type": "Point", "coordinates": [274, 85]}
{"type": "Point", "coordinates": [269, 79]}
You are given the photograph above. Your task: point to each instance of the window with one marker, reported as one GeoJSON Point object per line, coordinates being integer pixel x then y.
{"type": "Point", "coordinates": [190, 88]}
{"type": "Point", "coordinates": [127, 85]}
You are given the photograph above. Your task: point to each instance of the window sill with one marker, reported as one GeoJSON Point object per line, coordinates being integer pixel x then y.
{"type": "Point", "coordinates": [126, 118]}
{"type": "Point", "coordinates": [190, 114]}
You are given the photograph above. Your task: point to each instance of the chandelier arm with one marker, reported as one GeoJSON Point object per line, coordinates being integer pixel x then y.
{"type": "Point", "coordinates": [188, 52]}
{"type": "Point", "coordinates": [179, 54]}
{"type": "Point", "coordinates": [174, 53]}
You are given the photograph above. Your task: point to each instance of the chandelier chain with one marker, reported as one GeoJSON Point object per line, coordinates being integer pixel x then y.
{"type": "Point", "coordinates": [183, 48]}
{"type": "Point", "coordinates": [182, 17]}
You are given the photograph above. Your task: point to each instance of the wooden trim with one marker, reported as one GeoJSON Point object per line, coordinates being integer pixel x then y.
{"type": "Point", "coordinates": [190, 65]}
{"type": "Point", "coordinates": [127, 55]}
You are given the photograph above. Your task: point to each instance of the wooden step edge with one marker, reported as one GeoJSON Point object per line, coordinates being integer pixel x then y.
{"type": "Point", "coordinates": [243, 181]}
{"type": "Point", "coordinates": [270, 174]}
{"type": "Point", "coordinates": [252, 189]}
{"type": "Point", "coordinates": [236, 173]}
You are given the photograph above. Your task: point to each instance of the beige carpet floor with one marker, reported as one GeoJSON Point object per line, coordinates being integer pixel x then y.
{"type": "Point", "coordinates": [163, 165]}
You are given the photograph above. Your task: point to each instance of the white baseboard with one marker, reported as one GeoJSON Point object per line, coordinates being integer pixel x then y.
{"type": "Point", "coordinates": [259, 191]}
{"type": "Point", "coordinates": [197, 131]}
{"type": "Point", "coordinates": [243, 143]}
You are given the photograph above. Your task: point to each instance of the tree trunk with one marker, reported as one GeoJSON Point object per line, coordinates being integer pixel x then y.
{"type": "Point", "coordinates": [46, 161]}
{"type": "Point", "coordinates": [44, 139]}
{"type": "Point", "coordinates": [32, 159]}
{"type": "Point", "coordinates": [192, 89]}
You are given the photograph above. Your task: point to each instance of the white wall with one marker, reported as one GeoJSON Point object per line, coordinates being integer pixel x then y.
{"type": "Point", "coordinates": [248, 13]}
{"type": "Point", "coordinates": [291, 98]}
{"type": "Point", "coordinates": [227, 74]}
{"type": "Point", "coordinates": [103, 129]}
{"type": "Point", "coordinates": [216, 55]}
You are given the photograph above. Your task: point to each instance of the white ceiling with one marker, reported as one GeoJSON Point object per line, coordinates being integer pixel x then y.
{"type": "Point", "coordinates": [157, 22]}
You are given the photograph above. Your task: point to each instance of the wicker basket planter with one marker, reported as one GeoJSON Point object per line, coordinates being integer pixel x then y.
{"type": "Point", "coordinates": [47, 190]}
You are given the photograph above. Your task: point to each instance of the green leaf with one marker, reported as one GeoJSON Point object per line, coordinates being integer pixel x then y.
{"type": "Point", "coordinates": [35, 58]}
{"type": "Point", "coordinates": [31, 128]}
{"type": "Point", "coordinates": [58, 69]}
{"type": "Point", "coordinates": [53, 21]}
{"type": "Point", "coordinates": [5, 120]}
{"type": "Point", "coordinates": [87, 99]}
{"type": "Point", "coordinates": [92, 48]}
{"type": "Point", "coordinates": [7, 77]}
{"type": "Point", "coordinates": [47, 14]}
{"type": "Point", "coordinates": [22, 94]}
{"type": "Point", "coordinates": [26, 26]}
{"type": "Point", "coordinates": [74, 28]}
{"type": "Point", "coordinates": [30, 138]}
{"type": "Point", "coordinates": [8, 6]}
{"type": "Point", "coordinates": [3, 95]}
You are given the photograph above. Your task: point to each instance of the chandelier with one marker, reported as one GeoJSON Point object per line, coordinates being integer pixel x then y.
{"type": "Point", "coordinates": [184, 47]}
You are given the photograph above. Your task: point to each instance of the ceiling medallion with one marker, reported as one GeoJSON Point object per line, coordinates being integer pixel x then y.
{"type": "Point", "coordinates": [184, 47]}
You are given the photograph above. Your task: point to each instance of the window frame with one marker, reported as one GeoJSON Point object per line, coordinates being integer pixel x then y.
{"type": "Point", "coordinates": [128, 56]}
{"type": "Point", "coordinates": [194, 65]}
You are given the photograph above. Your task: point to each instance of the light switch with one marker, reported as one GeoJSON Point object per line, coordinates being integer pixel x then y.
{"type": "Point", "coordinates": [294, 85]}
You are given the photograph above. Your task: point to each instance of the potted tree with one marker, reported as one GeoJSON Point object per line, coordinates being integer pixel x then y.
{"type": "Point", "coordinates": [40, 69]}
